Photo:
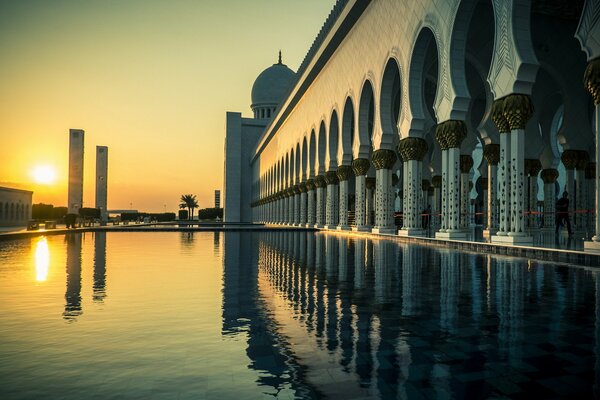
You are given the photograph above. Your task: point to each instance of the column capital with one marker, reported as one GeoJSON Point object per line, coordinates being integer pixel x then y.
{"type": "Point", "coordinates": [370, 183]}
{"type": "Point", "coordinates": [590, 170]}
{"type": "Point", "coordinates": [466, 163]}
{"type": "Point", "coordinates": [569, 158]}
{"type": "Point", "coordinates": [451, 133]}
{"type": "Point", "coordinates": [425, 184]}
{"type": "Point", "coordinates": [591, 79]}
{"type": "Point", "coordinates": [296, 189]}
{"type": "Point", "coordinates": [320, 181]}
{"type": "Point", "coordinates": [412, 148]}
{"type": "Point", "coordinates": [491, 152]}
{"type": "Point", "coordinates": [535, 166]}
{"type": "Point", "coordinates": [343, 172]}
{"type": "Point", "coordinates": [302, 187]}
{"type": "Point", "coordinates": [583, 158]}
{"type": "Point", "coordinates": [331, 178]}
{"type": "Point", "coordinates": [384, 159]}
{"type": "Point", "coordinates": [360, 166]}
{"type": "Point", "coordinates": [498, 117]}
{"type": "Point", "coordinates": [310, 184]}
{"type": "Point", "coordinates": [517, 109]}
{"type": "Point", "coordinates": [549, 175]}
{"type": "Point", "coordinates": [436, 181]}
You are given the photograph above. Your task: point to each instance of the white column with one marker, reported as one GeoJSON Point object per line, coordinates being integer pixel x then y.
{"type": "Point", "coordinates": [549, 201]}
{"type": "Point", "coordinates": [491, 153]}
{"type": "Point", "coordinates": [360, 167]}
{"type": "Point", "coordinates": [453, 190]}
{"type": "Point", "coordinates": [504, 185]}
{"type": "Point", "coordinates": [533, 192]}
{"type": "Point", "coordinates": [331, 207]}
{"type": "Point", "coordinates": [370, 199]}
{"type": "Point", "coordinates": [412, 214]}
{"type": "Point", "coordinates": [296, 208]}
{"type": "Point", "coordinates": [343, 205]}
{"type": "Point", "coordinates": [444, 198]}
{"type": "Point", "coordinates": [384, 207]}
{"type": "Point", "coordinates": [320, 182]}
{"type": "Point", "coordinates": [517, 183]}
{"type": "Point", "coordinates": [580, 200]}
{"type": "Point", "coordinates": [303, 198]}
{"type": "Point", "coordinates": [465, 201]}
{"type": "Point", "coordinates": [310, 193]}
{"type": "Point", "coordinates": [436, 204]}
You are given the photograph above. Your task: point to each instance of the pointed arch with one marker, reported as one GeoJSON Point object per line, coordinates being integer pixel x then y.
{"type": "Point", "coordinates": [332, 142]}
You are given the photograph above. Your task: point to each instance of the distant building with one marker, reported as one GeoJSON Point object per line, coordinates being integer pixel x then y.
{"type": "Point", "coordinates": [217, 199]}
{"type": "Point", "coordinates": [76, 142]}
{"type": "Point", "coordinates": [15, 206]}
{"type": "Point", "coordinates": [102, 180]}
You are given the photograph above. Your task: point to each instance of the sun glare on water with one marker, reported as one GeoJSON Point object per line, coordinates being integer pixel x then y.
{"type": "Point", "coordinates": [44, 174]}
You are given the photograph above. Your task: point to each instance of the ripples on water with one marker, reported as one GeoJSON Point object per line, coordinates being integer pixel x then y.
{"type": "Point", "coordinates": [288, 315]}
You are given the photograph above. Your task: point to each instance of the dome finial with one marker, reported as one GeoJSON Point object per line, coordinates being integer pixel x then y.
{"type": "Point", "coordinates": [280, 58]}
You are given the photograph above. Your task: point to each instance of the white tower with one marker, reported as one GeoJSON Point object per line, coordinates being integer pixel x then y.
{"type": "Point", "coordinates": [75, 199]}
{"type": "Point", "coordinates": [102, 181]}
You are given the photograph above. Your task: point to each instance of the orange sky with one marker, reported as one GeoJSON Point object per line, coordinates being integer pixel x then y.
{"type": "Point", "coordinates": [150, 79]}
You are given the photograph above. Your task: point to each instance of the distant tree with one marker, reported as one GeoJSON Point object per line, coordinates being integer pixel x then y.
{"type": "Point", "coordinates": [190, 202]}
{"type": "Point", "coordinates": [42, 211]}
{"type": "Point", "coordinates": [88, 212]}
{"type": "Point", "coordinates": [183, 214]}
{"type": "Point", "coordinates": [59, 213]}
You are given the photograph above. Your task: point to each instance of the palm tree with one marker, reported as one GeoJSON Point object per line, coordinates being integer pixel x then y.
{"type": "Point", "coordinates": [189, 201]}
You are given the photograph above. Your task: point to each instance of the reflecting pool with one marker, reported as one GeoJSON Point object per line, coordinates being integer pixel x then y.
{"type": "Point", "coordinates": [242, 315]}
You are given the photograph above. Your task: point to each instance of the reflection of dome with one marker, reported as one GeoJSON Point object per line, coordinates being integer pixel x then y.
{"type": "Point", "coordinates": [270, 88]}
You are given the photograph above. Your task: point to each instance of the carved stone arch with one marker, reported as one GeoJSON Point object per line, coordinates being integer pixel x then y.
{"type": "Point", "coordinates": [333, 135]}
{"type": "Point", "coordinates": [390, 102]}
{"type": "Point", "coordinates": [304, 158]}
{"type": "Point", "coordinates": [322, 148]}
{"type": "Point", "coordinates": [312, 154]}
{"type": "Point", "coordinates": [348, 126]}
{"type": "Point", "coordinates": [413, 121]}
{"type": "Point", "coordinates": [297, 165]}
{"type": "Point", "coordinates": [364, 119]}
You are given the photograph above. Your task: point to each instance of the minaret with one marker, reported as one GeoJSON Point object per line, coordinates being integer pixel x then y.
{"type": "Point", "coordinates": [102, 181]}
{"type": "Point", "coordinates": [75, 198]}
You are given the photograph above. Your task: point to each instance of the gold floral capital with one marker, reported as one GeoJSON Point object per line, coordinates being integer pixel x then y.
{"type": "Point", "coordinates": [591, 79]}
{"type": "Point", "coordinates": [412, 148]}
{"type": "Point", "coordinates": [360, 166]}
{"type": "Point", "coordinates": [331, 178]}
{"type": "Point", "coordinates": [453, 133]}
{"type": "Point", "coordinates": [569, 158]}
{"type": "Point", "coordinates": [549, 175]}
{"type": "Point", "coordinates": [320, 181]}
{"type": "Point", "coordinates": [491, 152]}
{"type": "Point", "coordinates": [498, 116]}
{"type": "Point", "coordinates": [310, 184]}
{"type": "Point", "coordinates": [517, 109]}
{"type": "Point", "coordinates": [384, 159]}
{"type": "Point", "coordinates": [343, 172]}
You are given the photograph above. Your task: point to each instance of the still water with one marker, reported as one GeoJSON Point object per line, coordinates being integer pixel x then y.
{"type": "Point", "coordinates": [182, 315]}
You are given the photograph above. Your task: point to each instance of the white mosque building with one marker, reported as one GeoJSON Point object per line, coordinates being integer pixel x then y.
{"type": "Point", "coordinates": [457, 105]}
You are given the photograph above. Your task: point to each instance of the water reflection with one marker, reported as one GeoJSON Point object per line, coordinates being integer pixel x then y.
{"type": "Point", "coordinates": [42, 259]}
{"type": "Point", "coordinates": [99, 267]}
{"type": "Point", "coordinates": [402, 321]}
{"type": "Point", "coordinates": [73, 291]}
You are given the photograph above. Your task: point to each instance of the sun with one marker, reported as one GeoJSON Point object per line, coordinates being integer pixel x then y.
{"type": "Point", "coordinates": [44, 174]}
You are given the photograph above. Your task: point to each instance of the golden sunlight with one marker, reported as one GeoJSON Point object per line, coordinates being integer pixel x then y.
{"type": "Point", "coordinates": [44, 174]}
{"type": "Point", "coordinates": [42, 259]}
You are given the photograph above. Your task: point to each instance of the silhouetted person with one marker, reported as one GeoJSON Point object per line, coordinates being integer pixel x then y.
{"type": "Point", "coordinates": [562, 212]}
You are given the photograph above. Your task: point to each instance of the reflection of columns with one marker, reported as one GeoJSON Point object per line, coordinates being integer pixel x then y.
{"type": "Point", "coordinates": [516, 111]}
{"type": "Point", "coordinates": [410, 280]}
{"type": "Point", "coordinates": [320, 184]}
{"type": "Point", "coordinates": [100, 266]}
{"type": "Point", "coordinates": [549, 177]}
{"type": "Point", "coordinates": [383, 258]}
{"type": "Point", "coordinates": [466, 163]}
{"type": "Point", "coordinates": [580, 192]}
{"type": "Point", "coordinates": [303, 216]}
{"type": "Point", "coordinates": [360, 166]}
{"type": "Point", "coordinates": [343, 173]}
{"type": "Point", "coordinates": [491, 152]}
{"type": "Point", "coordinates": [592, 84]}
{"type": "Point", "coordinates": [359, 263]}
{"type": "Point", "coordinates": [412, 150]}
{"type": "Point", "coordinates": [436, 182]}
{"type": "Point", "coordinates": [450, 135]}
{"type": "Point", "coordinates": [370, 184]}
{"type": "Point", "coordinates": [383, 161]}
{"type": "Point", "coordinates": [569, 159]}
{"type": "Point", "coordinates": [310, 193]}
{"type": "Point", "coordinates": [73, 291]}
{"type": "Point", "coordinates": [332, 200]}
{"type": "Point", "coordinates": [532, 168]}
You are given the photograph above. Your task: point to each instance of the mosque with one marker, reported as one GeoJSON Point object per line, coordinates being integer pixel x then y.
{"type": "Point", "coordinates": [478, 112]}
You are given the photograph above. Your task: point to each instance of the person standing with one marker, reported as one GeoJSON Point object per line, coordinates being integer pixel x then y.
{"type": "Point", "coordinates": [562, 213]}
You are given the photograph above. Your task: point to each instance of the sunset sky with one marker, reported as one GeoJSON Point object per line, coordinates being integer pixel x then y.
{"type": "Point", "coordinates": [150, 79]}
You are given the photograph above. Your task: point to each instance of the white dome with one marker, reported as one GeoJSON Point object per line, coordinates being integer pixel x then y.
{"type": "Point", "coordinates": [272, 85]}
